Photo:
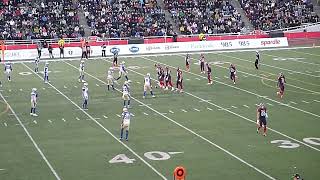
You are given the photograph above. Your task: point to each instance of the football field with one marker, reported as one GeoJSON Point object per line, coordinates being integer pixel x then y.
{"type": "Point", "coordinates": [208, 129]}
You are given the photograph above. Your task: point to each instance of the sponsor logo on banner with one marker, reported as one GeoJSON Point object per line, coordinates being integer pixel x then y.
{"type": "Point", "coordinates": [168, 47]}
{"type": "Point", "coordinates": [70, 52]}
{"type": "Point", "coordinates": [202, 45]}
{"type": "Point", "coordinates": [270, 42]}
{"type": "Point", "coordinates": [115, 50]}
{"type": "Point", "coordinates": [152, 47]}
{"type": "Point", "coordinates": [226, 44]}
{"type": "Point", "coordinates": [244, 43]}
{"type": "Point", "coordinates": [134, 49]}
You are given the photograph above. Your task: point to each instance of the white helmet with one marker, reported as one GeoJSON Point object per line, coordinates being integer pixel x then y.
{"type": "Point", "coordinates": [125, 110]}
{"type": "Point", "coordinates": [148, 74]}
{"type": "Point", "coordinates": [34, 89]}
{"type": "Point", "coordinates": [82, 61]}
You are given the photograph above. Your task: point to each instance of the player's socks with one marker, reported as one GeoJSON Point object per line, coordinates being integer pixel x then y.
{"type": "Point", "coordinates": [128, 103]}
{"type": "Point", "coordinates": [126, 77]}
{"type": "Point", "coordinates": [124, 103]}
{"type": "Point", "coordinates": [127, 134]}
{"type": "Point", "coordinates": [151, 93]}
{"type": "Point", "coordinates": [31, 111]}
{"type": "Point", "coordinates": [144, 93]}
{"type": "Point", "coordinates": [121, 133]}
{"type": "Point", "coordinates": [108, 87]}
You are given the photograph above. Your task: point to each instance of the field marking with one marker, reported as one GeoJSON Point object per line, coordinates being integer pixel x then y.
{"type": "Point", "coordinates": [118, 115]}
{"type": "Point", "coordinates": [77, 119]}
{"type": "Point", "coordinates": [2, 169]}
{"type": "Point", "coordinates": [5, 124]}
{"type": "Point", "coordinates": [316, 100]}
{"type": "Point", "coordinates": [304, 53]}
{"type": "Point", "coordinates": [173, 153]}
{"type": "Point", "coordinates": [97, 85]}
{"type": "Point", "coordinates": [209, 109]}
{"type": "Point", "coordinates": [294, 59]}
{"type": "Point", "coordinates": [63, 120]}
{"type": "Point", "coordinates": [196, 109]}
{"type": "Point", "coordinates": [143, 105]}
{"type": "Point", "coordinates": [293, 102]}
{"type": "Point", "coordinates": [171, 112]}
{"type": "Point", "coordinates": [198, 79]}
{"type": "Point", "coordinates": [275, 67]}
{"type": "Point", "coordinates": [100, 125]}
{"type": "Point", "coordinates": [245, 118]}
{"type": "Point", "coordinates": [50, 121]}
{"type": "Point", "coordinates": [234, 107]}
{"type": "Point", "coordinates": [246, 106]}
{"type": "Point", "coordinates": [145, 113]}
{"type": "Point", "coordinates": [270, 104]}
{"type": "Point", "coordinates": [53, 171]}
{"type": "Point", "coordinates": [183, 110]}
{"type": "Point", "coordinates": [65, 87]}
{"type": "Point", "coordinates": [249, 92]}
{"type": "Point", "coordinates": [138, 82]}
{"type": "Point", "coordinates": [132, 114]}
{"type": "Point", "coordinates": [34, 121]}
{"type": "Point", "coordinates": [187, 129]}
{"type": "Point", "coordinates": [305, 101]}
{"type": "Point", "coordinates": [106, 117]}
{"type": "Point", "coordinates": [44, 88]}
{"type": "Point", "coordinates": [76, 86]}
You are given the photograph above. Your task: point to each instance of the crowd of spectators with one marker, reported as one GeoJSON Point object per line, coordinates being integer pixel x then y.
{"type": "Point", "coordinates": [126, 18]}
{"type": "Point", "coordinates": [39, 19]}
{"type": "Point", "coordinates": [277, 14]}
{"type": "Point", "coordinates": [205, 16]}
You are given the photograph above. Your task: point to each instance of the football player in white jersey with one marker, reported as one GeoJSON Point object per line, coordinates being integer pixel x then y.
{"type": "Point", "coordinates": [147, 86]}
{"type": "Point", "coordinates": [81, 71]}
{"type": "Point", "coordinates": [34, 96]}
{"type": "Point", "coordinates": [46, 73]}
{"type": "Point", "coordinates": [36, 63]}
{"type": "Point", "coordinates": [110, 79]}
{"type": "Point", "coordinates": [126, 94]}
{"type": "Point", "coordinates": [125, 123]}
{"type": "Point", "coordinates": [8, 69]}
{"type": "Point", "coordinates": [85, 96]}
{"type": "Point", "coordinates": [123, 71]}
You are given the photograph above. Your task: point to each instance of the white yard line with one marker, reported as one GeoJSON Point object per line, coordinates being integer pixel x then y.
{"type": "Point", "coordinates": [5, 124]}
{"type": "Point", "coordinates": [145, 113]}
{"type": "Point", "coordinates": [34, 121]}
{"type": "Point", "coordinates": [77, 119]}
{"type": "Point", "coordinates": [249, 92]}
{"type": "Point", "coordinates": [270, 104]}
{"type": "Point", "coordinates": [183, 110]}
{"type": "Point", "coordinates": [100, 125]}
{"type": "Point", "coordinates": [293, 102]}
{"type": "Point", "coordinates": [191, 131]}
{"type": "Point", "coordinates": [171, 112]}
{"type": "Point", "coordinates": [246, 106]}
{"type": "Point", "coordinates": [316, 100]}
{"type": "Point", "coordinates": [63, 120]}
{"type": "Point", "coordinates": [97, 85]}
{"type": "Point", "coordinates": [209, 109]}
{"type": "Point", "coordinates": [234, 107]}
{"type": "Point", "coordinates": [118, 115]}
{"type": "Point", "coordinates": [305, 101]}
{"type": "Point", "coordinates": [196, 109]}
{"type": "Point", "coordinates": [106, 117]}
{"type": "Point", "coordinates": [31, 138]}
{"type": "Point", "coordinates": [50, 121]}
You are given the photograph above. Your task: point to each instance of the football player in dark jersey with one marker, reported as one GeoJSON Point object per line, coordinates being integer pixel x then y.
{"type": "Point", "coordinates": [187, 59]}
{"type": "Point", "coordinates": [256, 63]}
{"type": "Point", "coordinates": [280, 84]}
{"type": "Point", "coordinates": [202, 61]}
{"type": "Point", "coordinates": [233, 73]}
{"type": "Point", "coordinates": [209, 73]}
{"type": "Point", "coordinates": [179, 85]}
{"type": "Point", "coordinates": [262, 118]}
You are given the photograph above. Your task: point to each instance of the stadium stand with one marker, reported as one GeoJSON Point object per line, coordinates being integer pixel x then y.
{"type": "Point", "coordinates": [46, 19]}
{"type": "Point", "coordinates": [205, 16]}
{"type": "Point", "coordinates": [126, 18]}
{"type": "Point", "coordinates": [279, 14]}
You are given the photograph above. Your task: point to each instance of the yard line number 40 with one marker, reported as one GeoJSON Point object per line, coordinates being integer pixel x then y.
{"type": "Point", "coordinates": [291, 145]}
{"type": "Point", "coordinates": [152, 155]}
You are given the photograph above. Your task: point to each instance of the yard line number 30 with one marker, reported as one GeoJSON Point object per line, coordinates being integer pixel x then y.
{"type": "Point", "coordinates": [291, 145]}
